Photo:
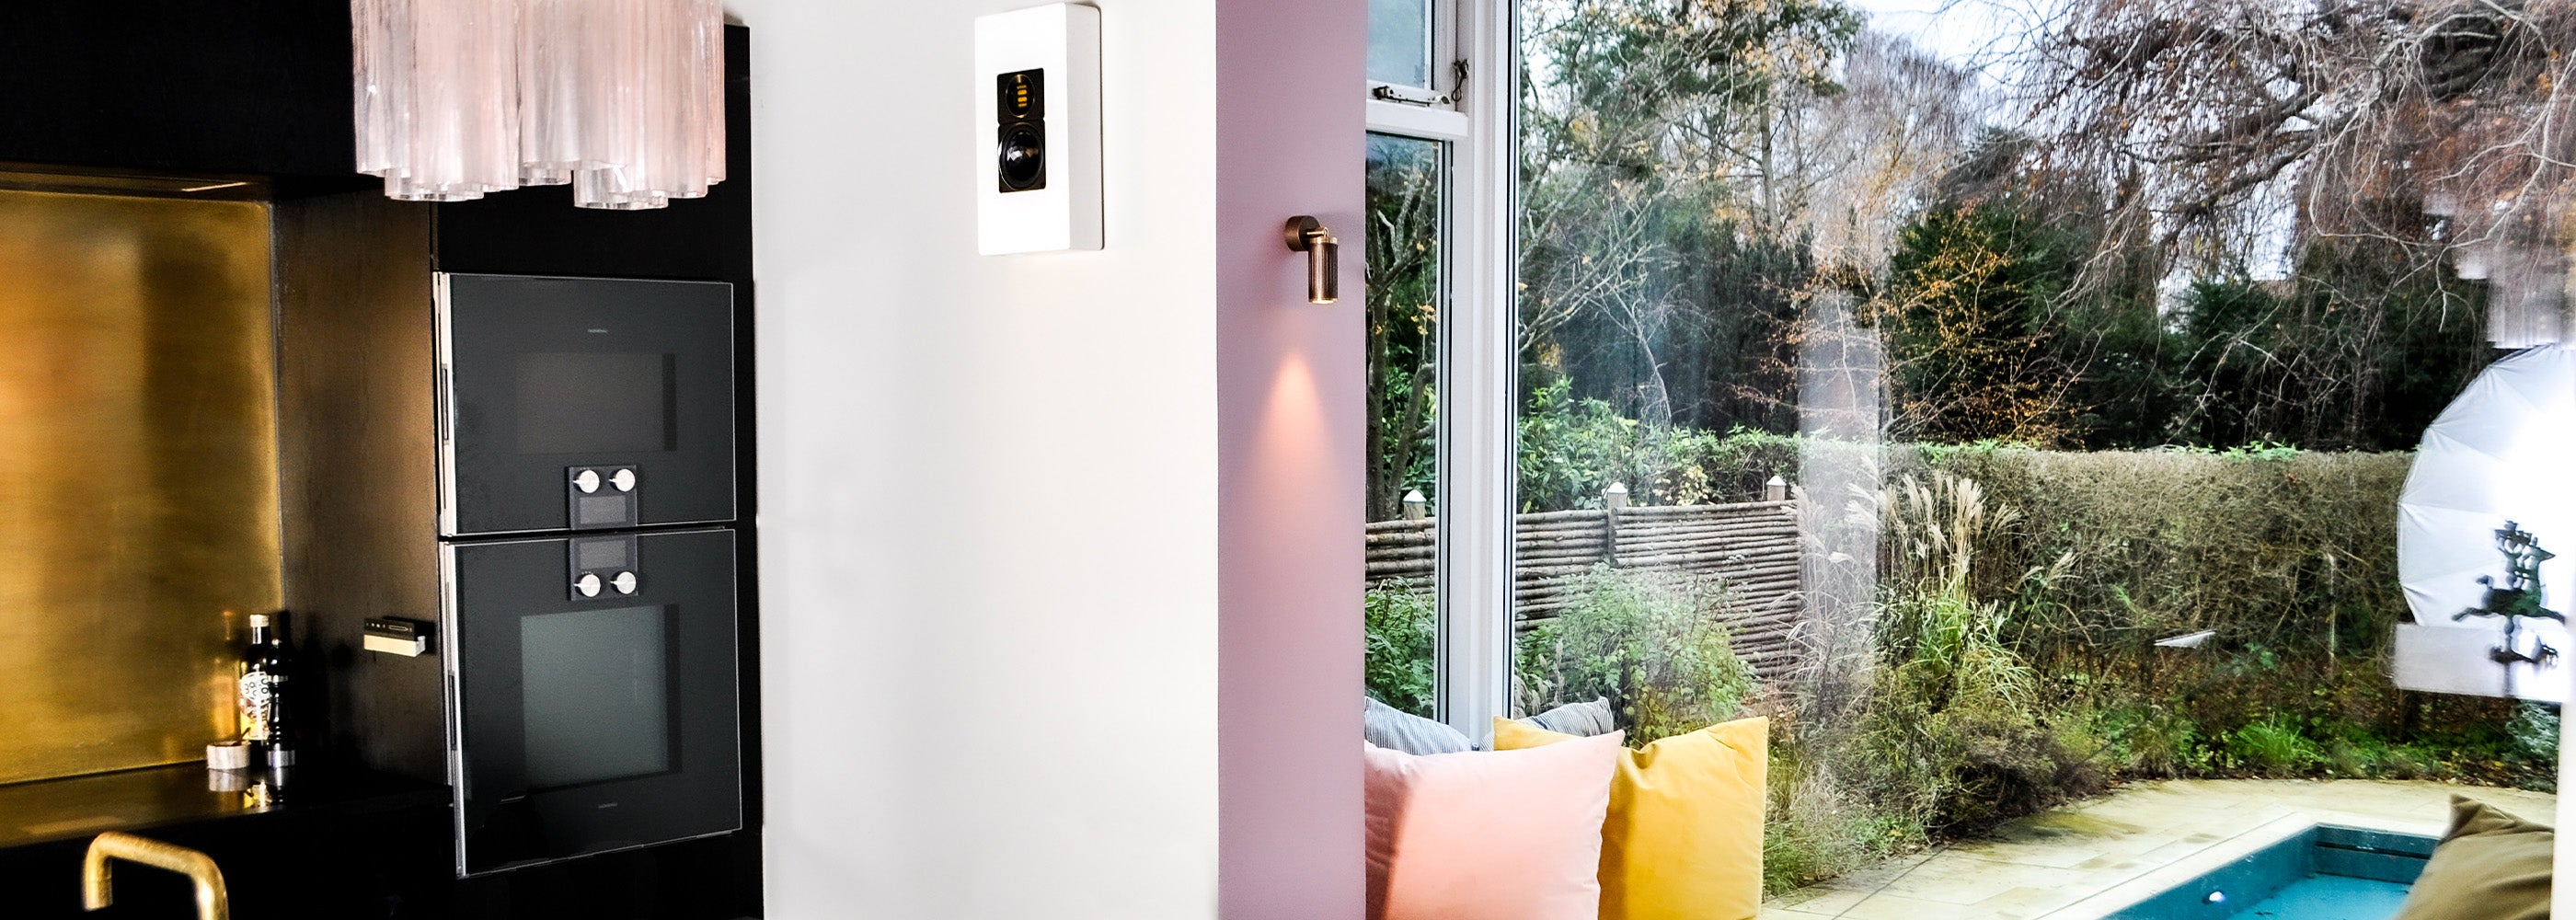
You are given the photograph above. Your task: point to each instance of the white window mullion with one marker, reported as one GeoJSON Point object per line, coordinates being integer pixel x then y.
{"type": "Point", "coordinates": [1479, 379]}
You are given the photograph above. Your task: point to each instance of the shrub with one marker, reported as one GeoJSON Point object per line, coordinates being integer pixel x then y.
{"type": "Point", "coordinates": [1705, 466]}
{"type": "Point", "coordinates": [2155, 743]}
{"type": "Point", "coordinates": [1571, 449]}
{"type": "Point", "coordinates": [2272, 748]}
{"type": "Point", "coordinates": [1819, 826]}
{"type": "Point", "coordinates": [2410, 762]}
{"type": "Point", "coordinates": [1952, 737]}
{"type": "Point", "coordinates": [1650, 642]}
{"type": "Point", "coordinates": [1952, 733]}
{"type": "Point", "coordinates": [2534, 729]}
{"type": "Point", "coordinates": [1402, 638]}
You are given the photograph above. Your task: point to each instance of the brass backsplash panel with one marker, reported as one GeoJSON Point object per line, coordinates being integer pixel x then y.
{"type": "Point", "coordinates": [138, 474]}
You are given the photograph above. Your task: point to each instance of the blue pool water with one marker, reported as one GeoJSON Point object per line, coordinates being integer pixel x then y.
{"type": "Point", "coordinates": [2323, 873]}
{"type": "Point", "coordinates": [2329, 897]}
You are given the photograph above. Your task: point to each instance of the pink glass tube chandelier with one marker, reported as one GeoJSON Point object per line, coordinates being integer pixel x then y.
{"type": "Point", "coordinates": [621, 99]}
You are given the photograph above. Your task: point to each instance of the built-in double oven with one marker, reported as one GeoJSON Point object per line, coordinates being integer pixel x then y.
{"type": "Point", "coordinates": [587, 564]}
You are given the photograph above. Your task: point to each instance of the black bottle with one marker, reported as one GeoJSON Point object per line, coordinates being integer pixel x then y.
{"type": "Point", "coordinates": [258, 689]}
{"type": "Point", "coordinates": [285, 697]}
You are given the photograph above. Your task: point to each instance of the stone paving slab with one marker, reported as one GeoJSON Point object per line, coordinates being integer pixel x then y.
{"type": "Point", "coordinates": [2089, 860]}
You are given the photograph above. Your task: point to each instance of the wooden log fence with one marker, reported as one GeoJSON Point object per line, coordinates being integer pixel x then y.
{"type": "Point", "coordinates": [1752, 546]}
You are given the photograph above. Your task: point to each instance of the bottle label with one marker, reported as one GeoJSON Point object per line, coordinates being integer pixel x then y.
{"type": "Point", "coordinates": [258, 692]}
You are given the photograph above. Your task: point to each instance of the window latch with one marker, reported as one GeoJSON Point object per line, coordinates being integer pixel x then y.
{"type": "Point", "coordinates": [1388, 92]}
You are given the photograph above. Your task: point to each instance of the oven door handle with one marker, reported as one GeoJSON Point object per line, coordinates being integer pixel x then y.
{"type": "Point", "coordinates": [446, 405]}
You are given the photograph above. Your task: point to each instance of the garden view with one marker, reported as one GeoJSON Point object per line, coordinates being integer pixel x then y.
{"type": "Point", "coordinates": [2118, 324]}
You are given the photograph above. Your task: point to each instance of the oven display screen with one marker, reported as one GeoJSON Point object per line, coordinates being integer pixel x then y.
{"type": "Point", "coordinates": [590, 403]}
{"type": "Point", "coordinates": [597, 695]}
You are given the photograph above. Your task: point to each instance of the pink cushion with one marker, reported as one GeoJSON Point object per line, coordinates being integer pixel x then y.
{"type": "Point", "coordinates": [1488, 835]}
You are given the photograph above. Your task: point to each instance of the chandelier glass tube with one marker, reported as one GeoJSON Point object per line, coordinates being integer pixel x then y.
{"type": "Point", "coordinates": [621, 99]}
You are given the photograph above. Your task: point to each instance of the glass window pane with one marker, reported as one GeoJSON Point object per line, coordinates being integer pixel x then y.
{"type": "Point", "coordinates": [1407, 192]}
{"type": "Point", "coordinates": [597, 402]}
{"type": "Point", "coordinates": [597, 695]}
{"type": "Point", "coordinates": [1400, 42]}
{"type": "Point", "coordinates": [2007, 432]}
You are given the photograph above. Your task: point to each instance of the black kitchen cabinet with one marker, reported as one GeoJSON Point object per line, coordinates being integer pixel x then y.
{"type": "Point", "coordinates": [260, 89]}
{"type": "Point", "coordinates": [254, 87]}
{"type": "Point", "coordinates": [353, 847]}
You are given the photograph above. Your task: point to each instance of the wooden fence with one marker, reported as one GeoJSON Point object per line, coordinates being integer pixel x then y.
{"type": "Point", "coordinates": [1753, 546]}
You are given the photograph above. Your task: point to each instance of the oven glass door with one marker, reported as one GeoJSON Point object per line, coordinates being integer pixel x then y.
{"type": "Point", "coordinates": [584, 724]}
{"type": "Point", "coordinates": [545, 379]}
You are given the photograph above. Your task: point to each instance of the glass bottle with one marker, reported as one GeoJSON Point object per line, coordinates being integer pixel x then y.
{"type": "Point", "coordinates": [284, 698]}
{"type": "Point", "coordinates": [258, 689]}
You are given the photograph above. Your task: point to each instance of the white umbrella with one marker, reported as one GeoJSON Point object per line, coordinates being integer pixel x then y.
{"type": "Point", "coordinates": [2501, 455]}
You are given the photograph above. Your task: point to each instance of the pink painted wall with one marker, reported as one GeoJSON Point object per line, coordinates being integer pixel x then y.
{"type": "Point", "coordinates": [1290, 117]}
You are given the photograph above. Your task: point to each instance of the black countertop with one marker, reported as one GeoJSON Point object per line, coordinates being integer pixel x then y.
{"type": "Point", "coordinates": [328, 843]}
{"type": "Point", "coordinates": [154, 797]}
{"type": "Point", "coordinates": [338, 845]}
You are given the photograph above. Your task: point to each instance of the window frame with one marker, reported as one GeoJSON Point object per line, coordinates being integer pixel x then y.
{"type": "Point", "coordinates": [1445, 49]}
{"type": "Point", "coordinates": [1476, 119]}
{"type": "Point", "coordinates": [1478, 380]}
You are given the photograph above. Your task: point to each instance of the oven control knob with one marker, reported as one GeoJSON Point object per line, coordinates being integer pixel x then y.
{"type": "Point", "coordinates": [588, 585]}
{"type": "Point", "coordinates": [625, 582]}
{"type": "Point", "coordinates": [587, 481]}
{"type": "Point", "coordinates": [624, 480]}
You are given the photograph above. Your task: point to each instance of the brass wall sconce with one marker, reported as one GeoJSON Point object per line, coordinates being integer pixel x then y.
{"type": "Point", "coordinates": [1323, 257]}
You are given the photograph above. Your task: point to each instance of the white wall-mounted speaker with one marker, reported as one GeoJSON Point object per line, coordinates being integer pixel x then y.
{"type": "Point", "coordinates": [1037, 136]}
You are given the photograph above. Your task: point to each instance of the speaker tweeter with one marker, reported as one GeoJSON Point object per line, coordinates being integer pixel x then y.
{"type": "Point", "coordinates": [1021, 106]}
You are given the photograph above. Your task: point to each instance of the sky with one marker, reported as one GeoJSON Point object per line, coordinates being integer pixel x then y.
{"type": "Point", "coordinates": [1950, 33]}
{"type": "Point", "coordinates": [1964, 32]}
{"type": "Point", "coordinates": [1961, 31]}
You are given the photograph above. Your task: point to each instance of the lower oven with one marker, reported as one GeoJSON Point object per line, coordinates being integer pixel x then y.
{"type": "Point", "coordinates": [592, 699]}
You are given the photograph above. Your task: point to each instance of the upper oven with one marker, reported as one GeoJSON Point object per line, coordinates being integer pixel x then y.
{"type": "Point", "coordinates": [583, 403]}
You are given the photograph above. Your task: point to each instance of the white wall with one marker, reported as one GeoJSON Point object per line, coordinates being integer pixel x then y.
{"type": "Point", "coordinates": [989, 485]}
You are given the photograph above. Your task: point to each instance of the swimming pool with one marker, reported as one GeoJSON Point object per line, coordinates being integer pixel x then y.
{"type": "Point", "coordinates": [2327, 872]}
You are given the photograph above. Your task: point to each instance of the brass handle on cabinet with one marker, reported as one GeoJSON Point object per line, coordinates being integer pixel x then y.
{"type": "Point", "coordinates": [1323, 257]}
{"type": "Point", "coordinates": [97, 893]}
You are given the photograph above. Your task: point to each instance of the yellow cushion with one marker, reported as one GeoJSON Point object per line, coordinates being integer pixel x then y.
{"type": "Point", "coordinates": [1684, 835]}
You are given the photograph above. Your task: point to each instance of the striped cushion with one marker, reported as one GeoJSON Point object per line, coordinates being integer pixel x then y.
{"type": "Point", "coordinates": [1582, 720]}
{"type": "Point", "coordinates": [1397, 730]}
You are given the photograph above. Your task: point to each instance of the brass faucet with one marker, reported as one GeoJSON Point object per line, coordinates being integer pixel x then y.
{"type": "Point", "coordinates": [97, 890]}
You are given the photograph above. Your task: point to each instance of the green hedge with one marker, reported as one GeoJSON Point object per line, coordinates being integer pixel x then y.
{"type": "Point", "coordinates": [2292, 551]}
{"type": "Point", "coordinates": [2285, 548]}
